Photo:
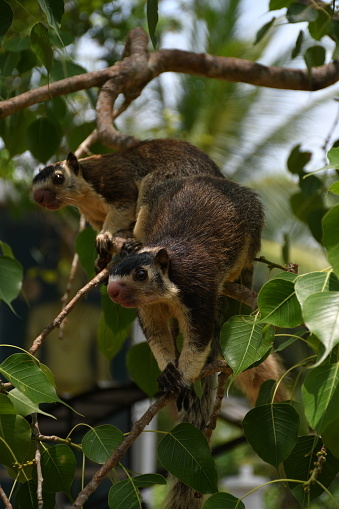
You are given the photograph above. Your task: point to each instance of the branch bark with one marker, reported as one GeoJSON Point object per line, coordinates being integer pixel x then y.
{"type": "Point", "coordinates": [138, 68]}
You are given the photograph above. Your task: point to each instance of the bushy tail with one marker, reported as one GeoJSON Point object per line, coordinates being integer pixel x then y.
{"type": "Point", "coordinates": [250, 381]}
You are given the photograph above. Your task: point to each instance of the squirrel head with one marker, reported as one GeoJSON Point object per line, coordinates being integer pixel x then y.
{"type": "Point", "coordinates": [54, 186]}
{"type": "Point", "coordinates": [142, 278]}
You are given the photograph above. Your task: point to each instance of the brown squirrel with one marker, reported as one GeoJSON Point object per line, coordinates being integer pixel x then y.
{"type": "Point", "coordinates": [106, 188]}
{"type": "Point", "coordinates": [196, 233]}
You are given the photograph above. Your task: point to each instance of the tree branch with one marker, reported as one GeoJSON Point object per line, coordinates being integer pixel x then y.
{"type": "Point", "coordinates": [137, 429]}
{"type": "Point", "coordinates": [130, 75]}
{"type": "Point", "coordinates": [4, 498]}
{"type": "Point", "coordinates": [222, 380]}
{"type": "Point", "coordinates": [40, 479]}
{"type": "Point", "coordinates": [241, 293]}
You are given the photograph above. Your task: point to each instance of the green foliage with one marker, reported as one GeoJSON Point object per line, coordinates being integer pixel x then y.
{"type": "Point", "coordinates": [244, 341]}
{"type": "Point", "coordinates": [184, 452]}
{"type": "Point", "coordinates": [6, 17]}
{"type": "Point", "coordinates": [125, 494]}
{"type": "Point", "coordinates": [223, 501]}
{"type": "Point", "coordinates": [140, 360]}
{"type": "Point", "coordinates": [100, 442]}
{"type": "Point", "coordinates": [272, 431]}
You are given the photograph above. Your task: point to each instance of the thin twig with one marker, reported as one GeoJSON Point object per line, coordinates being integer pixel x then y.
{"type": "Point", "coordinates": [4, 498]}
{"type": "Point", "coordinates": [57, 321]}
{"type": "Point", "coordinates": [222, 380]}
{"type": "Point", "coordinates": [291, 267]}
{"type": "Point", "coordinates": [72, 274]}
{"type": "Point", "coordinates": [40, 480]}
{"type": "Point", "coordinates": [137, 429]}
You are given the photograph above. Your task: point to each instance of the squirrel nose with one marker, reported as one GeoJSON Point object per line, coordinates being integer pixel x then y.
{"type": "Point", "coordinates": [114, 289]}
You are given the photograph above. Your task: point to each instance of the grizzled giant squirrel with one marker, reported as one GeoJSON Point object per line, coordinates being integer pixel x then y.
{"type": "Point", "coordinates": [195, 234]}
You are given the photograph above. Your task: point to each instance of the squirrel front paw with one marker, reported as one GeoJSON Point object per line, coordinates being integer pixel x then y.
{"type": "Point", "coordinates": [104, 244]}
{"type": "Point", "coordinates": [171, 380]}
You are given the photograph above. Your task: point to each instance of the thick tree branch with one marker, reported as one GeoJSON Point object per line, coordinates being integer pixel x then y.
{"type": "Point", "coordinates": [244, 71]}
{"type": "Point", "coordinates": [130, 76]}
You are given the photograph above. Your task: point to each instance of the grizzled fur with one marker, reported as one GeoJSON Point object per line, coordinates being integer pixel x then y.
{"type": "Point", "coordinates": [105, 188]}
{"type": "Point", "coordinates": [196, 232]}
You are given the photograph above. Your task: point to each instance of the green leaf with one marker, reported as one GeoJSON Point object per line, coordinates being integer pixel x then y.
{"type": "Point", "coordinates": [41, 45]}
{"type": "Point", "coordinates": [15, 439]}
{"type": "Point", "coordinates": [263, 30]}
{"type": "Point", "coordinates": [320, 392]}
{"type": "Point", "coordinates": [321, 315]}
{"type": "Point", "coordinates": [333, 157]}
{"type": "Point", "coordinates": [301, 462]}
{"type": "Point", "coordinates": [298, 44]}
{"type": "Point", "coordinates": [143, 368]}
{"type": "Point", "coordinates": [309, 185]}
{"type": "Point", "coordinates": [43, 138]}
{"type": "Point", "coordinates": [314, 57]}
{"type": "Point", "coordinates": [330, 437]}
{"type": "Point", "coordinates": [298, 12]}
{"type": "Point", "coordinates": [6, 249]}
{"type": "Point", "coordinates": [125, 494]}
{"type": "Point", "coordinates": [244, 341]}
{"type": "Point", "coordinates": [66, 69]}
{"type": "Point", "coordinates": [23, 405]}
{"type": "Point", "coordinates": [302, 205]}
{"type": "Point", "coordinates": [320, 26]}
{"type": "Point", "coordinates": [114, 326]}
{"type": "Point", "coordinates": [278, 303]}
{"type": "Point", "coordinates": [58, 468]}
{"type": "Point", "coordinates": [315, 282]}
{"type": "Point", "coordinates": [315, 223]}
{"type": "Point", "coordinates": [223, 501]}
{"type": "Point", "coordinates": [272, 431]}
{"type": "Point", "coordinates": [152, 19]}
{"type": "Point", "coordinates": [185, 453]}
{"type": "Point", "coordinates": [21, 370]}
{"type": "Point", "coordinates": [85, 247]}
{"type": "Point", "coordinates": [17, 44]}
{"type": "Point", "coordinates": [265, 393]}
{"type": "Point", "coordinates": [11, 274]}
{"type": "Point", "coordinates": [6, 18]}
{"type": "Point", "coordinates": [279, 4]}
{"type": "Point", "coordinates": [147, 480]}
{"type": "Point", "coordinates": [331, 237]}
{"type": "Point", "coordinates": [100, 442]}
{"type": "Point", "coordinates": [6, 406]}
{"type": "Point", "coordinates": [334, 188]}
{"type": "Point", "coordinates": [26, 497]}
{"type": "Point", "coordinates": [298, 159]}
{"type": "Point", "coordinates": [54, 10]}
{"type": "Point", "coordinates": [109, 342]}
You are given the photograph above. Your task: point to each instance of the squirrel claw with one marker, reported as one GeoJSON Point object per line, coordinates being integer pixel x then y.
{"type": "Point", "coordinates": [171, 380]}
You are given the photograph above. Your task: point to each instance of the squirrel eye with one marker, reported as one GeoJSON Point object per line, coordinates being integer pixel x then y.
{"type": "Point", "coordinates": [58, 178]}
{"type": "Point", "coordinates": [141, 275]}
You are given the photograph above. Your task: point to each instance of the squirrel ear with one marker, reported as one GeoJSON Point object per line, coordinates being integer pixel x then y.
{"type": "Point", "coordinates": [162, 258]}
{"type": "Point", "coordinates": [73, 162]}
